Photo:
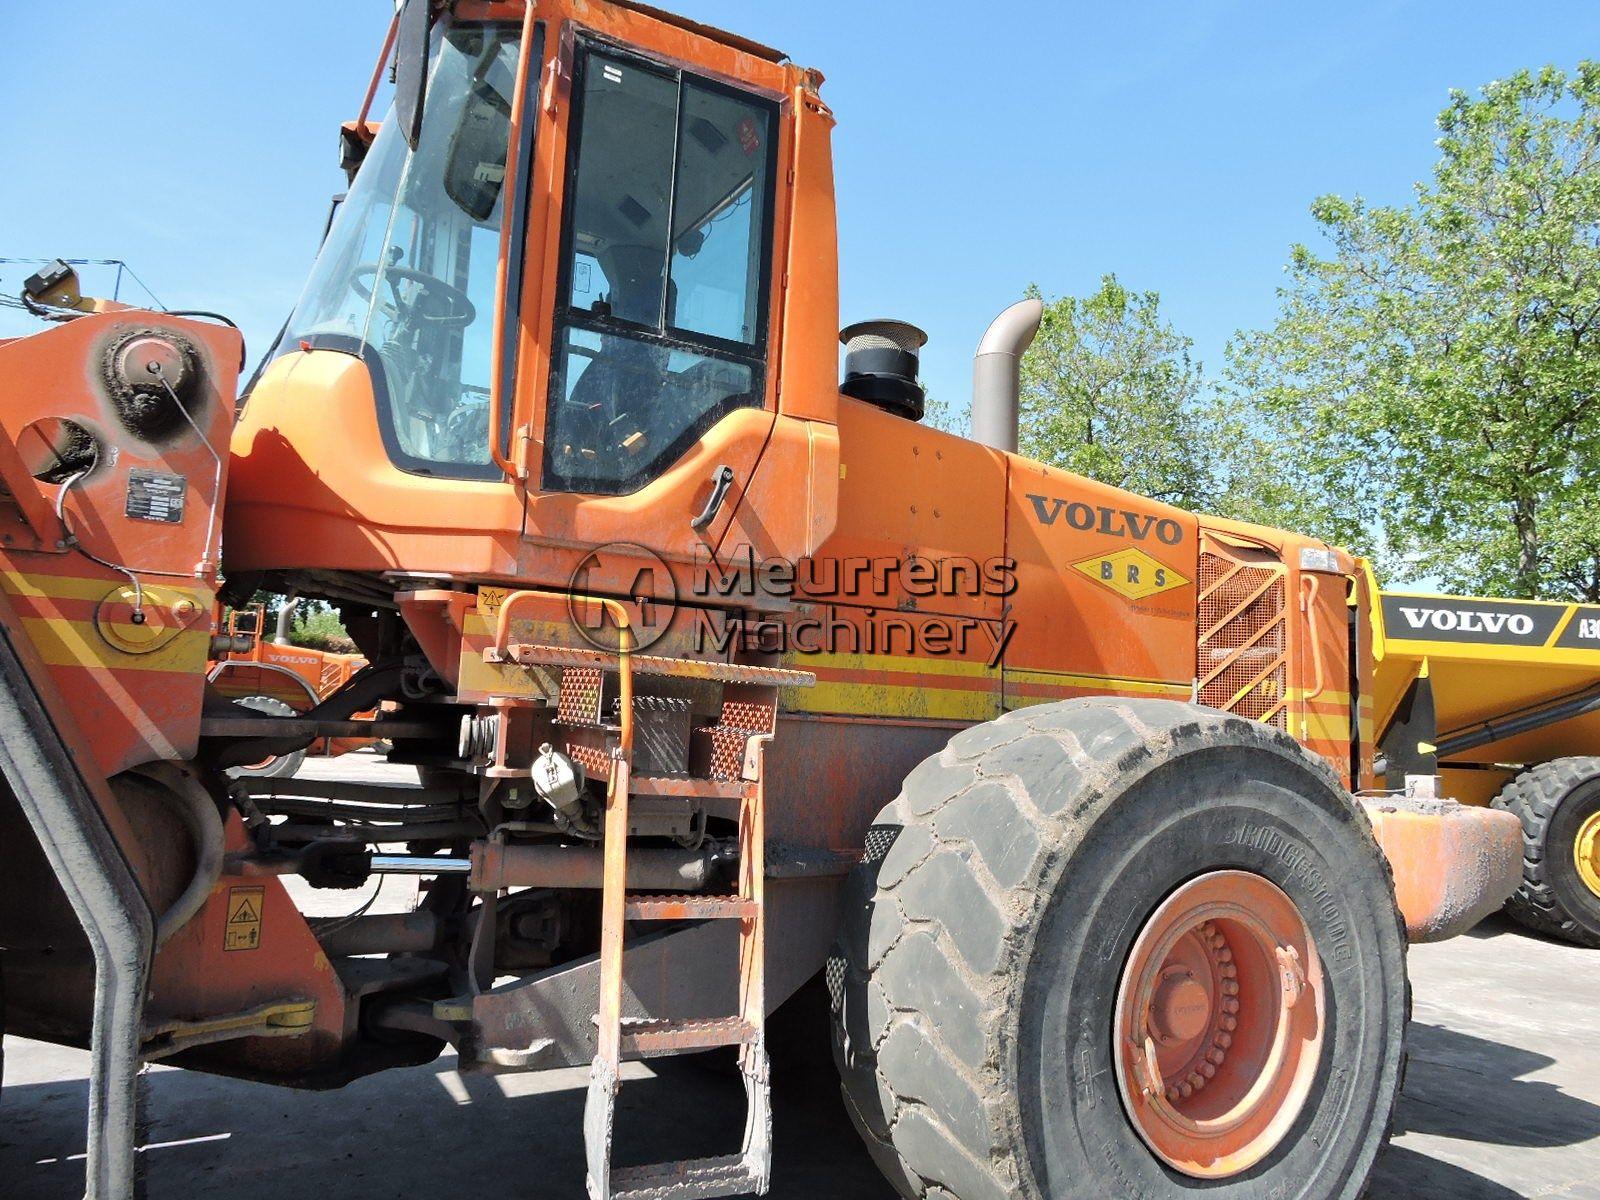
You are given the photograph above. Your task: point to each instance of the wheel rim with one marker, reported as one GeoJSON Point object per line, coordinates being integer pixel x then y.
{"type": "Point", "coordinates": [1219, 1024]}
{"type": "Point", "coordinates": [1586, 850]}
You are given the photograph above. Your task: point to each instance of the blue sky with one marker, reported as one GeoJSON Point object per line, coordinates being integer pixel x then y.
{"type": "Point", "coordinates": [1175, 143]}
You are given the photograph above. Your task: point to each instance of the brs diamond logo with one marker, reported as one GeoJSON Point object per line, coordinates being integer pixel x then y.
{"type": "Point", "coordinates": [1131, 573]}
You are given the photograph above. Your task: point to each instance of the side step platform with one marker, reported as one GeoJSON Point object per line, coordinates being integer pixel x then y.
{"type": "Point", "coordinates": [692, 1180]}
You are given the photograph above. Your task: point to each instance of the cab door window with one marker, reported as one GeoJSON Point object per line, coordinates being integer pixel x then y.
{"type": "Point", "coordinates": [661, 325]}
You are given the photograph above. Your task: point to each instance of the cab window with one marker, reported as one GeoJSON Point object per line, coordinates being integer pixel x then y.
{"type": "Point", "coordinates": [661, 320]}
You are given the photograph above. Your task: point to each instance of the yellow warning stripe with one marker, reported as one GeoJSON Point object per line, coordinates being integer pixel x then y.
{"type": "Point", "coordinates": [63, 643]}
{"type": "Point", "coordinates": [1111, 683]}
{"type": "Point", "coordinates": [1324, 718]}
{"type": "Point", "coordinates": [79, 587]}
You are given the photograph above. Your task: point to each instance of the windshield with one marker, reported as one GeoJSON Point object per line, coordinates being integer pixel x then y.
{"type": "Point", "coordinates": [408, 268]}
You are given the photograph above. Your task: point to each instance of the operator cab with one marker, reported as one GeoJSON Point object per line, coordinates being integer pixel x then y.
{"type": "Point", "coordinates": [550, 315]}
{"type": "Point", "coordinates": [662, 301]}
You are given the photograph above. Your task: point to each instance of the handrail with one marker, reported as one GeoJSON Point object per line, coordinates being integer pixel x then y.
{"type": "Point", "coordinates": [1309, 604]}
{"type": "Point", "coordinates": [377, 72]}
{"type": "Point", "coordinates": [502, 640]}
{"type": "Point", "coordinates": [513, 226]}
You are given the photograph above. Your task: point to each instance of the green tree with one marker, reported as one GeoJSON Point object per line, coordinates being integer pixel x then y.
{"type": "Point", "coordinates": [1433, 379]}
{"type": "Point", "coordinates": [940, 414]}
{"type": "Point", "coordinates": [317, 627]}
{"type": "Point", "coordinates": [1110, 391]}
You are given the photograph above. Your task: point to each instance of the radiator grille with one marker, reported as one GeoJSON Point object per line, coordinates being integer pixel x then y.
{"type": "Point", "coordinates": [1241, 664]}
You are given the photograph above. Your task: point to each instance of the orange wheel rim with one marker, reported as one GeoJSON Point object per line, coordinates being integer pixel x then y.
{"type": "Point", "coordinates": [1219, 1024]}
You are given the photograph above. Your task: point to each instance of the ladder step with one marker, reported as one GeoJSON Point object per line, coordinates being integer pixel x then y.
{"type": "Point", "coordinates": [647, 1037]}
{"type": "Point", "coordinates": [695, 1179]}
{"type": "Point", "coordinates": [689, 907]}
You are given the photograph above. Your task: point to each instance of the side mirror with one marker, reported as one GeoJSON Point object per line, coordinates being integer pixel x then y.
{"type": "Point", "coordinates": [411, 67]}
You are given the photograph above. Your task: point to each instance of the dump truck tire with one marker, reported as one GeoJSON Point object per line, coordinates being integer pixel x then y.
{"type": "Point", "coordinates": [1002, 902]}
{"type": "Point", "coordinates": [1557, 802]}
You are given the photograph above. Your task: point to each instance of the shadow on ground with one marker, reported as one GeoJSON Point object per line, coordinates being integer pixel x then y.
{"type": "Point", "coordinates": [1404, 1174]}
{"type": "Point", "coordinates": [1499, 925]}
{"type": "Point", "coordinates": [425, 1131]}
{"type": "Point", "coordinates": [431, 1131]}
{"type": "Point", "coordinates": [1472, 1089]}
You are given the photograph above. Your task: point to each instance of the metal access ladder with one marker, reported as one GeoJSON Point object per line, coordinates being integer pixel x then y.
{"type": "Point", "coordinates": [750, 1170]}
{"type": "Point", "coordinates": [735, 749]}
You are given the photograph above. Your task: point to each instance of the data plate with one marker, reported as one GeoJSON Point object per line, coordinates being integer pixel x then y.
{"type": "Point", "coordinates": [156, 496]}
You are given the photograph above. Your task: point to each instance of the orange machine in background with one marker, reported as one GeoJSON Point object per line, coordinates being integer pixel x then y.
{"type": "Point", "coordinates": [272, 676]}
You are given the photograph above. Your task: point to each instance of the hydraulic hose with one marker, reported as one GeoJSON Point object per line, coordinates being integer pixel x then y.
{"type": "Point", "coordinates": [188, 800]}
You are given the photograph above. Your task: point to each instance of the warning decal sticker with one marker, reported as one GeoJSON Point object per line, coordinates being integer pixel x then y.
{"type": "Point", "coordinates": [243, 930]}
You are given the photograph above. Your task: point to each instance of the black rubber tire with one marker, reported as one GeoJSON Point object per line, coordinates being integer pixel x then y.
{"type": "Point", "coordinates": [284, 766]}
{"type": "Point", "coordinates": [1552, 801]}
{"type": "Point", "coordinates": [986, 930]}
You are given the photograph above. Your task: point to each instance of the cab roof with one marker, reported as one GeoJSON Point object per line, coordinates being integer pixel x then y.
{"type": "Point", "coordinates": [708, 31]}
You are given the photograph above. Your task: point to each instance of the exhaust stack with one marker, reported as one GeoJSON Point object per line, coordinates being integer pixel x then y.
{"type": "Point", "coordinates": [996, 381]}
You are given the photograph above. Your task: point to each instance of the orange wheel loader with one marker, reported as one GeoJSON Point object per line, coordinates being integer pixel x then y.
{"type": "Point", "coordinates": [278, 678]}
{"type": "Point", "coordinates": [723, 673]}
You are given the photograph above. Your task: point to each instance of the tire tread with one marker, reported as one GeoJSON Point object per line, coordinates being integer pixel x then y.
{"type": "Point", "coordinates": [1533, 798]}
{"type": "Point", "coordinates": [1105, 742]}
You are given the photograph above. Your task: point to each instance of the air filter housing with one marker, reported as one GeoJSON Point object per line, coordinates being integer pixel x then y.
{"type": "Point", "coordinates": [880, 365]}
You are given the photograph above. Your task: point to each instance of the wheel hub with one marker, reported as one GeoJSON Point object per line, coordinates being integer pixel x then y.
{"type": "Point", "coordinates": [1181, 1007]}
{"type": "Point", "coordinates": [1586, 850]}
{"type": "Point", "coordinates": [1219, 1024]}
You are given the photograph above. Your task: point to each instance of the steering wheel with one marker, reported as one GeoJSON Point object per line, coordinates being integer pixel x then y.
{"type": "Point", "coordinates": [432, 301]}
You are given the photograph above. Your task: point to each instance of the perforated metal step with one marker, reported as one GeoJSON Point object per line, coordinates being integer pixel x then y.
{"type": "Point", "coordinates": [694, 1179]}
{"type": "Point", "coordinates": [688, 907]}
{"type": "Point", "coordinates": [677, 1037]}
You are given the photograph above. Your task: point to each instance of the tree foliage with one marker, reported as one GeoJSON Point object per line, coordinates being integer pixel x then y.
{"type": "Point", "coordinates": [316, 626]}
{"type": "Point", "coordinates": [1433, 379]}
{"type": "Point", "coordinates": [1110, 391]}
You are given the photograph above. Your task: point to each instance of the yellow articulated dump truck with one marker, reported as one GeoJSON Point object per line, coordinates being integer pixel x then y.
{"type": "Point", "coordinates": [1501, 698]}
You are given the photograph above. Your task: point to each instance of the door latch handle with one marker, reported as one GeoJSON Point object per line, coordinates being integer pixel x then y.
{"type": "Point", "coordinates": [721, 480]}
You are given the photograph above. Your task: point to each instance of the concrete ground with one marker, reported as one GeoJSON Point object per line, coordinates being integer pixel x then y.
{"type": "Point", "coordinates": [1502, 1101]}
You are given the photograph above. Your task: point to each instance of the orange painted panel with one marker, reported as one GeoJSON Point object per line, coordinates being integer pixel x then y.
{"type": "Point", "coordinates": [1105, 581]}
